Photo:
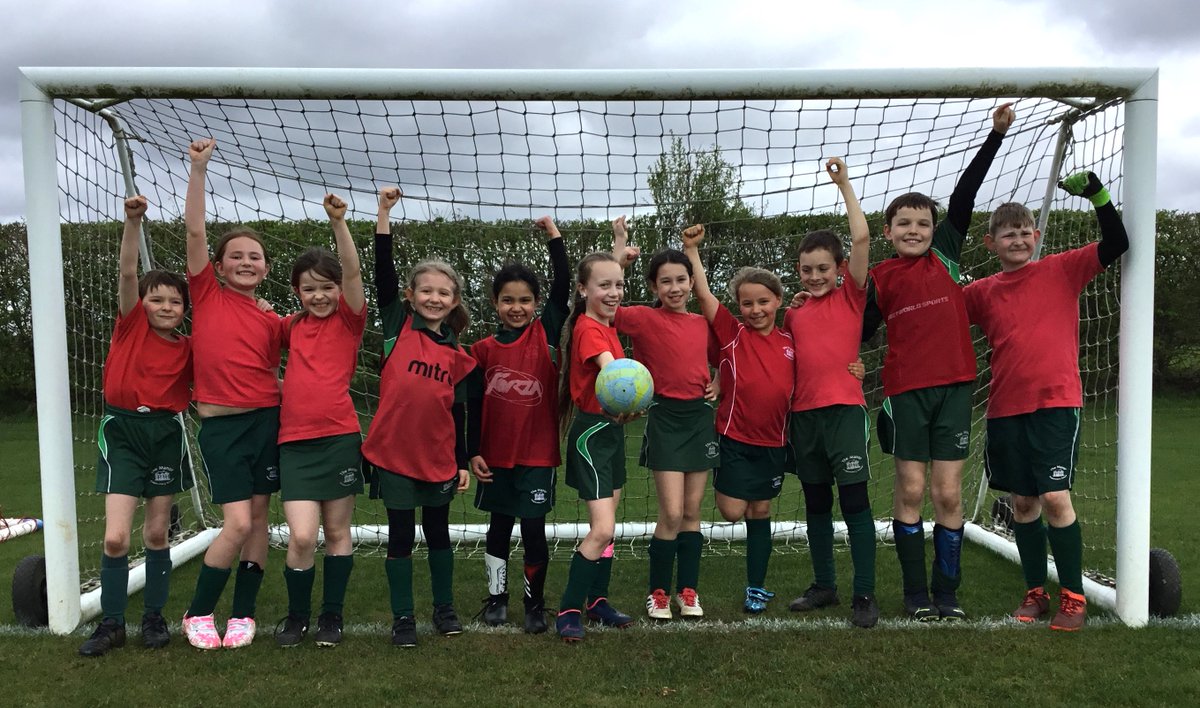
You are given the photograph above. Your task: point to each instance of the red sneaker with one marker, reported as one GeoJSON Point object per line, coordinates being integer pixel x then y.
{"type": "Point", "coordinates": [1072, 612]}
{"type": "Point", "coordinates": [1034, 607]}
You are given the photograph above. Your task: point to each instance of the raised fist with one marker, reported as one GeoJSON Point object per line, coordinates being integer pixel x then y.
{"type": "Point", "coordinates": [201, 150]}
{"type": "Point", "coordinates": [836, 169]}
{"type": "Point", "coordinates": [1003, 117]}
{"type": "Point", "coordinates": [692, 236]}
{"type": "Point", "coordinates": [1086, 185]}
{"type": "Point", "coordinates": [135, 207]}
{"type": "Point", "coordinates": [334, 206]}
{"type": "Point", "coordinates": [389, 197]}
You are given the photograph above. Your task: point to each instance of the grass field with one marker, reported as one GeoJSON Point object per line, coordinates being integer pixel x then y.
{"type": "Point", "coordinates": [725, 660]}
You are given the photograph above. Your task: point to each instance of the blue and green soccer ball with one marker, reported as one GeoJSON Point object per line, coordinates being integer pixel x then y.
{"type": "Point", "coordinates": [624, 386]}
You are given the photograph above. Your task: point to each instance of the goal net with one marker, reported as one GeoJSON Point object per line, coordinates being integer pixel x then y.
{"type": "Point", "coordinates": [476, 172]}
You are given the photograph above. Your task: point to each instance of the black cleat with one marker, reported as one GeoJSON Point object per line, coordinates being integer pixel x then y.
{"type": "Point", "coordinates": [535, 620]}
{"type": "Point", "coordinates": [607, 615]}
{"type": "Point", "coordinates": [814, 598]}
{"type": "Point", "coordinates": [329, 629]}
{"type": "Point", "coordinates": [109, 634]}
{"type": "Point", "coordinates": [864, 611]}
{"type": "Point", "coordinates": [291, 630]}
{"type": "Point", "coordinates": [495, 610]}
{"type": "Point", "coordinates": [918, 607]}
{"type": "Point", "coordinates": [445, 620]}
{"type": "Point", "coordinates": [404, 632]}
{"type": "Point", "coordinates": [155, 634]}
{"type": "Point", "coordinates": [947, 606]}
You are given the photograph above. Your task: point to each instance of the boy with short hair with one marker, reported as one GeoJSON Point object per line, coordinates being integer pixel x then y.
{"type": "Point", "coordinates": [147, 385]}
{"type": "Point", "coordinates": [1036, 394]}
{"type": "Point", "coordinates": [928, 377]}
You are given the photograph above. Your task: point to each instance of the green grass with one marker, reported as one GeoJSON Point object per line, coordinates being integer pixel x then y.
{"type": "Point", "coordinates": [726, 660]}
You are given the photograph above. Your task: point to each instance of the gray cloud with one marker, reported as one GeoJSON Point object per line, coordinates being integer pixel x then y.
{"type": "Point", "coordinates": [1122, 26]}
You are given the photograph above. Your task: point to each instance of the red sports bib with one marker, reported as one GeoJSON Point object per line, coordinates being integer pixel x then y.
{"type": "Point", "coordinates": [520, 401]}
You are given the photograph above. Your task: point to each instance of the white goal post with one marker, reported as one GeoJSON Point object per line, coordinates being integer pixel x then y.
{"type": "Point", "coordinates": [41, 87]}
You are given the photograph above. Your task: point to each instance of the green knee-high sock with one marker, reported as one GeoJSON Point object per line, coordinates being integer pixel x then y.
{"type": "Point", "coordinates": [600, 580]}
{"type": "Point", "coordinates": [662, 562]}
{"type": "Point", "coordinates": [114, 586]}
{"type": "Point", "coordinates": [691, 544]}
{"type": "Point", "coordinates": [336, 579]}
{"type": "Point", "coordinates": [860, 527]}
{"type": "Point", "coordinates": [1031, 545]}
{"type": "Point", "coordinates": [299, 589]}
{"type": "Point", "coordinates": [758, 551]}
{"type": "Point", "coordinates": [820, 545]}
{"type": "Point", "coordinates": [441, 575]}
{"type": "Point", "coordinates": [910, 550]}
{"type": "Point", "coordinates": [209, 587]}
{"type": "Point", "coordinates": [245, 589]}
{"type": "Point", "coordinates": [579, 579]}
{"type": "Point", "coordinates": [158, 579]}
{"type": "Point", "coordinates": [1067, 544]}
{"type": "Point", "coordinates": [400, 585]}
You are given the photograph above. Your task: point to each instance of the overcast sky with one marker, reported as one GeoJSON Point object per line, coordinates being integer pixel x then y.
{"type": "Point", "coordinates": [623, 34]}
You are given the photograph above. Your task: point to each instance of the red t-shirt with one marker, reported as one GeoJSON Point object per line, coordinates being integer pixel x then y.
{"type": "Point", "coordinates": [827, 330]}
{"type": "Point", "coordinates": [1031, 319]}
{"type": "Point", "coordinates": [322, 356]}
{"type": "Point", "coordinates": [588, 339]}
{"type": "Point", "coordinates": [412, 433]}
{"type": "Point", "coordinates": [672, 345]}
{"type": "Point", "coordinates": [756, 382]}
{"type": "Point", "coordinates": [520, 401]}
{"type": "Point", "coordinates": [236, 346]}
{"type": "Point", "coordinates": [929, 338]}
{"type": "Point", "coordinates": [144, 370]}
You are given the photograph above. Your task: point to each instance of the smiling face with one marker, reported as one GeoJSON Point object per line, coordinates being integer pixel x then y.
{"type": "Point", "coordinates": [818, 271]}
{"type": "Point", "coordinates": [1013, 245]}
{"type": "Point", "coordinates": [758, 304]}
{"type": "Point", "coordinates": [910, 231]}
{"type": "Point", "coordinates": [318, 295]}
{"type": "Point", "coordinates": [515, 304]}
{"type": "Point", "coordinates": [603, 290]}
{"type": "Point", "coordinates": [164, 308]}
{"type": "Point", "coordinates": [242, 265]}
{"type": "Point", "coordinates": [433, 296]}
{"type": "Point", "coordinates": [672, 285]}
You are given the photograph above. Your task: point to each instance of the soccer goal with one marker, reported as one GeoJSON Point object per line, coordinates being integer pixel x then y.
{"type": "Point", "coordinates": [481, 154]}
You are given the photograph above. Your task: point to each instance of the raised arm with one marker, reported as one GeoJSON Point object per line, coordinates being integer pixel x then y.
{"type": "Point", "coordinates": [387, 282]}
{"type": "Point", "coordinates": [352, 282]}
{"type": "Point", "coordinates": [860, 234]}
{"type": "Point", "coordinates": [560, 267]}
{"type": "Point", "coordinates": [962, 200]}
{"type": "Point", "coordinates": [622, 251]}
{"type": "Point", "coordinates": [1114, 240]}
{"type": "Point", "coordinates": [199, 152]}
{"type": "Point", "coordinates": [127, 282]}
{"type": "Point", "coordinates": [692, 236]}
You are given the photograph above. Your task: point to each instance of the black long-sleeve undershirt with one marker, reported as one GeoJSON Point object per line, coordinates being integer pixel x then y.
{"type": "Point", "coordinates": [1114, 240]}
{"type": "Point", "coordinates": [387, 281]}
{"type": "Point", "coordinates": [560, 269]}
{"type": "Point", "coordinates": [962, 199]}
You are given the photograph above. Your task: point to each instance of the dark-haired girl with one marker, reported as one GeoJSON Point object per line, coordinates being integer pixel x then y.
{"type": "Point", "coordinates": [518, 447]}
{"type": "Point", "coordinates": [680, 443]}
{"type": "Point", "coordinates": [319, 435]}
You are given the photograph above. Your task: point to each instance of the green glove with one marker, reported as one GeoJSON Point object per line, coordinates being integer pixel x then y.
{"type": "Point", "coordinates": [1088, 186]}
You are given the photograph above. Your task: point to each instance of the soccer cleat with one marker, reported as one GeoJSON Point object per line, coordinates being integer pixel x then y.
{"type": "Point", "coordinates": [1072, 612]}
{"type": "Point", "coordinates": [535, 619]}
{"type": "Point", "coordinates": [109, 634]}
{"type": "Point", "coordinates": [864, 611]}
{"type": "Point", "coordinates": [495, 610]}
{"type": "Point", "coordinates": [919, 608]}
{"type": "Point", "coordinates": [404, 632]}
{"type": "Point", "coordinates": [1034, 606]}
{"type": "Point", "coordinates": [239, 632]}
{"type": "Point", "coordinates": [445, 620]}
{"type": "Point", "coordinates": [569, 626]}
{"type": "Point", "coordinates": [756, 600]}
{"type": "Point", "coordinates": [607, 615]}
{"type": "Point", "coordinates": [689, 604]}
{"type": "Point", "coordinates": [329, 629]}
{"type": "Point", "coordinates": [814, 598]}
{"type": "Point", "coordinates": [201, 632]}
{"type": "Point", "coordinates": [658, 605]}
{"type": "Point", "coordinates": [154, 631]}
{"type": "Point", "coordinates": [291, 630]}
{"type": "Point", "coordinates": [947, 607]}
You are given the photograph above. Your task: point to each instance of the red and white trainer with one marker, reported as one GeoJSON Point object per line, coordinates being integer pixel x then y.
{"type": "Point", "coordinates": [658, 605]}
{"type": "Point", "coordinates": [689, 604]}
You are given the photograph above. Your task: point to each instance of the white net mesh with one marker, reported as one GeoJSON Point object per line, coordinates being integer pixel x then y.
{"type": "Point", "coordinates": [475, 175]}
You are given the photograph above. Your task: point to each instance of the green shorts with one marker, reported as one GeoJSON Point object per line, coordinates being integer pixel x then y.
{"type": "Point", "coordinates": [241, 455]}
{"type": "Point", "coordinates": [928, 423]}
{"type": "Point", "coordinates": [522, 491]}
{"type": "Point", "coordinates": [142, 454]}
{"type": "Point", "coordinates": [1033, 453]}
{"type": "Point", "coordinates": [830, 444]}
{"type": "Point", "coordinates": [595, 456]}
{"type": "Point", "coordinates": [680, 436]}
{"type": "Point", "coordinates": [321, 469]}
{"type": "Point", "coordinates": [750, 472]}
{"type": "Point", "coordinates": [402, 493]}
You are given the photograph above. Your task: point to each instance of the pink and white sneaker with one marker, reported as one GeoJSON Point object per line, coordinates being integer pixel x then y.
{"type": "Point", "coordinates": [239, 632]}
{"type": "Point", "coordinates": [201, 632]}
